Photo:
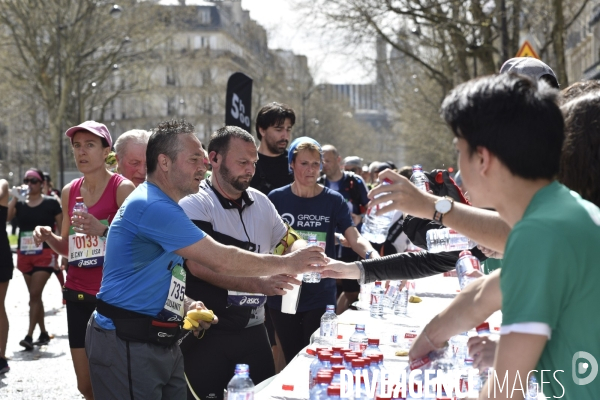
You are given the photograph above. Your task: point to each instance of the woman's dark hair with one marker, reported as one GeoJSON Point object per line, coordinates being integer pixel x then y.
{"type": "Point", "coordinates": [580, 158]}
{"type": "Point", "coordinates": [515, 118]}
{"type": "Point", "coordinates": [39, 171]}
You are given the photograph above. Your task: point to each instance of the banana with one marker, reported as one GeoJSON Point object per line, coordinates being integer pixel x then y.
{"type": "Point", "coordinates": [414, 299]}
{"type": "Point", "coordinates": [201, 315]}
{"type": "Point", "coordinates": [189, 324]}
{"type": "Point", "coordinates": [402, 353]}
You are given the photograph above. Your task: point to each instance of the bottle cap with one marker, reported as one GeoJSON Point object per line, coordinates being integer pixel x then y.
{"type": "Point", "coordinates": [483, 327]}
{"type": "Point", "coordinates": [358, 363]}
{"type": "Point", "coordinates": [333, 390]}
{"type": "Point", "coordinates": [373, 341]}
{"type": "Point", "coordinates": [464, 253]}
{"type": "Point", "coordinates": [335, 359]}
{"type": "Point", "coordinates": [325, 372]}
{"type": "Point", "coordinates": [383, 397]}
{"type": "Point", "coordinates": [288, 387]}
{"type": "Point", "coordinates": [349, 356]}
{"type": "Point", "coordinates": [79, 199]}
{"type": "Point", "coordinates": [337, 369]}
{"type": "Point", "coordinates": [324, 378]}
{"type": "Point", "coordinates": [336, 349]}
{"type": "Point", "coordinates": [340, 336]}
{"type": "Point", "coordinates": [377, 283]}
{"type": "Point", "coordinates": [374, 358]}
{"type": "Point", "coordinates": [380, 357]}
{"type": "Point", "coordinates": [324, 356]}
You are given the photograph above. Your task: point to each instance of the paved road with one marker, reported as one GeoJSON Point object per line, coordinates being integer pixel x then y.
{"type": "Point", "coordinates": [46, 372]}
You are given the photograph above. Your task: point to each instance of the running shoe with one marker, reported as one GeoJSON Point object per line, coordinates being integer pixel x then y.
{"type": "Point", "coordinates": [27, 343]}
{"type": "Point", "coordinates": [43, 339]}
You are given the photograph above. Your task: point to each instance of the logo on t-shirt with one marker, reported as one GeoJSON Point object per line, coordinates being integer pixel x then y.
{"type": "Point", "coordinates": [306, 220]}
{"type": "Point", "coordinates": [580, 368]}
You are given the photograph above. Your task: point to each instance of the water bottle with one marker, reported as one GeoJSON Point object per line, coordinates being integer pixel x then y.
{"type": "Point", "coordinates": [377, 300]}
{"type": "Point", "coordinates": [337, 374]}
{"type": "Point", "coordinates": [333, 392]}
{"type": "Point", "coordinates": [460, 348]}
{"type": "Point", "coordinates": [328, 331]}
{"type": "Point", "coordinates": [364, 297]}
{"type": "Point", "coordinates": [358, 340]}
{"type": "Point", "coordinates": [79, 207]}
{"type": "Point", "coordinates": [390, 294]}
{"type": "Point", "coordinates": [312, 277]}
{"type": "Point", "coordinates": [447, 239]}
{"type": "Point", "coordinates": [375, 227]}
{"type": "Point", "coordinates": [401, 304]}
{"type": "Point", "coordinates": [319, 390]}
{"type": "Point", "coordinates": [372, 348]}
{"type": "Point", "coordinates": [348, 357]}
{"type": "Point", "coordinates": [483, 330]}
{"type": "Point", "coordinates": [320, 363]}
{"type": "Point", "coordinates": [532, 388]}
{"type": "Point", "coordinates": [419, 179]}
{"type": "Point", "coordinates": [466, 263]}
{"type": "Point", "coordinates": [241, 387]}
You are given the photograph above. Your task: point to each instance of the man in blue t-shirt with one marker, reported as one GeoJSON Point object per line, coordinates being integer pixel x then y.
{"type": "Point", "coordinates": [131, 338]}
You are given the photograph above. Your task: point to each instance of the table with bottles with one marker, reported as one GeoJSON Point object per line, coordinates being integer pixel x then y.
{"type": "Point", "coordinates": [393, 331]}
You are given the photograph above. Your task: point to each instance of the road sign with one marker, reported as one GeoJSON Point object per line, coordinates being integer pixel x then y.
{"type": "Point", "coordinates": [527, 50]}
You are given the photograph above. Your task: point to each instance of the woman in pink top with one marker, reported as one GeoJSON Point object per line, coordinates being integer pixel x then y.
{"type": "Point", "coordinates": [83, 235]}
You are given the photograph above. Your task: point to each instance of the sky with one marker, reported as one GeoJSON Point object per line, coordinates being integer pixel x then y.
{"type": "Point", "coordinates": [287, 31]}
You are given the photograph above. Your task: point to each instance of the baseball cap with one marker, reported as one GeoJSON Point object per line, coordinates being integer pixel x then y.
{"type": "Point", "coordinates": [531, 67]}
{"type": "Point", "coordinates": [353, 161]}
{"type": "Point", "coordinates": [94, 127]}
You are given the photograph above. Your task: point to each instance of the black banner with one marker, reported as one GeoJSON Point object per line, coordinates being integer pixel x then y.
{"type": "Point", "coordinates": [239, 101]}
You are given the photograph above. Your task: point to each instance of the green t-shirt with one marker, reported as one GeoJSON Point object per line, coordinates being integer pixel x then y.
{"type": "Point", "coordinates": [491, 264]}
{"type": "Point", "coordinates": [551, 274]}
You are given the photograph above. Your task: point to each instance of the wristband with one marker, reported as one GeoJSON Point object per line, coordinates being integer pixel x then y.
{"type": "Point", "coordinates": [105, 233]}
{"type": "Point", "coordinates": [368, 254]}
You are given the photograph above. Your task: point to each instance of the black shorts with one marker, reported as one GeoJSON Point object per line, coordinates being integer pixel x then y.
{"type": "Point", "coordinates": [37, 269]}
{"type": "Point", "coordinates": [78, 315]}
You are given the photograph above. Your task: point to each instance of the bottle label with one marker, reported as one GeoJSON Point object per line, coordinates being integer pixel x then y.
{"type": "Point", "coordinates": [240, 396]}
{"type": "Point", "coordinates": [27, 245]}
{"type": "Point", "coordinates": [86, 251]}
{"type": "Point", "coordinates": [326, 329]}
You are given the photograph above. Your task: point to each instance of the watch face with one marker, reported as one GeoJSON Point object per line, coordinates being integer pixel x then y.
{"type": "Point", "coordinates": [443, 206]}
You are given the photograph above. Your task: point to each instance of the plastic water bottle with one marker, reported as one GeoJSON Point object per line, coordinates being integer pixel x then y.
{"type": "Point", "coordinates": [358, 340]}
{"type": "Point", "coordinates": [390, 294]}
{"type": "Point", "coordinates": [401, 304]}
{"type": "Point", "coordinates": [419, 179]}
{"type": "Point", "coordinates": [241, 387]}
{"type": "Point", "coordinates": [329, 325]}
{"type": "Point", "coordinates": [320, 363]}
{"type": "Point", "coordinates": [466, 263]}
{"type": "Point", "coordinates": [532, 388]}
{"type": "Point", "coordinates": [79, 207]}
{"type": "Point", "coordinates": [460, 348]}
{"type": "Point", "coordinates": [483, 330]}
{"type": "Point", "coordinates": [375, 227]}
{"type": "Point", "coordinates": [319, 391]}
{"type": "Point", "coordinates": [377, 300]}
{"type": "Point", "coordinates": [364, 297]}
{"type": "Point", "coordinates": [372, 348]}
{"type": "Point", "coordinates": [312, 277]}
{"type": "Point", "coordinates": [447, 239]}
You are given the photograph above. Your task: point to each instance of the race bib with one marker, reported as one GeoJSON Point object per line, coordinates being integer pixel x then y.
{"type": "Point", "coordinates": [244, 299]}
{"type": "Point", "coordinates": [86, 251]}
{"type": "Point", "coordinates": [28, 246]}
{"type": "Point", "coordinates": [173, 308]}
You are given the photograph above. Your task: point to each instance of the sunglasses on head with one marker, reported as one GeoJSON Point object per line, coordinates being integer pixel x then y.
{"type": "Point", "coordinates": [32, 181]}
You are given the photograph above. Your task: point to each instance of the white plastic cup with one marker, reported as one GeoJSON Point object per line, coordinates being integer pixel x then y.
{"type": "Point", "coordinates": [289, 301]}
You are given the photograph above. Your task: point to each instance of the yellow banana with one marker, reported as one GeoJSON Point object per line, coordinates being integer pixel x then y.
{"type": "Point", "coordinates": [189, 324]}
{"type": "Point", "coordinates": [201, 315]}
{"type": "Point", "coordinates": [414, 299]}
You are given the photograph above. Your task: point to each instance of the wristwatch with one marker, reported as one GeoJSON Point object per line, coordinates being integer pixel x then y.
{"type": "Point", "coordinates": [442, 207]}
{"type": "Point", "coordinates": [105, 233]}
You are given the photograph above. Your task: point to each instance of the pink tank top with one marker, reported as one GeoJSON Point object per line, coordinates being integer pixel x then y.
{"type": "Point", "coordinates": [88, 279]}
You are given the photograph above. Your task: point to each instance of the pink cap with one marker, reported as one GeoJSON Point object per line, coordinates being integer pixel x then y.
{"type": "Point", "coordinates": [94, 127]}
{"type": "Point", "coordinates": [464, 253]}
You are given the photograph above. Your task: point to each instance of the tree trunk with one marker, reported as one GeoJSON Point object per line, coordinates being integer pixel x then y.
{"type": "Point", "coordinates": [559, 42]}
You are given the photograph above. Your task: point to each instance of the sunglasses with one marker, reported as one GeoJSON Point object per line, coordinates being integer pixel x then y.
{"type": "Point", "coordinates": [32, 181]}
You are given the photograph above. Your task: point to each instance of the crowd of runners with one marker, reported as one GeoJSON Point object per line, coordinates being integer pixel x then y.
{"type": "Point", "coordinates": [222, 225]}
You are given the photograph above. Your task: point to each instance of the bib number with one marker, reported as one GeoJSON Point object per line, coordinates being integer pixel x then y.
{"type": "Point", "coordinates": [28, 246]}
{"type": "Point", "coordinates": [173, 308]}
{"type": "Point", "coordinates": [86, 251]}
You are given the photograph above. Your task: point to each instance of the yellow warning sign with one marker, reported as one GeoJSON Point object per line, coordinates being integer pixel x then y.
{"type": "Point", "coordinates": [527, 50]}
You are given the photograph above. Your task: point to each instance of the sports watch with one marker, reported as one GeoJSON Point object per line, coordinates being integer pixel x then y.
{"type": "Point", "coordinates": [442, 206]}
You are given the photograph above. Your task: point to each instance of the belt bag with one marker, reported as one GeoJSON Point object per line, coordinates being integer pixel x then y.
{"type": "Point", "coordinates": [138, 327]}
{"type": "Point", "coordinates": [77, 296]}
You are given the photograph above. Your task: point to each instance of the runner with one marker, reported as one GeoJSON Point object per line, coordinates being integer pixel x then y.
{"type": "Point", "coordinates": [310, 208]}
{"type": "Point", "coordinates": [35, 261]}
{"type": "Point", "coordinates": [6, 271]}
{"type": "Point", "coordinates": [84, 234]}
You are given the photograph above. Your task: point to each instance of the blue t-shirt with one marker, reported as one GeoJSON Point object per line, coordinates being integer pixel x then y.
{"type": "Point", "coordinates": [147, 230]}
{"type": "Point", "coordinates": [320, 215]}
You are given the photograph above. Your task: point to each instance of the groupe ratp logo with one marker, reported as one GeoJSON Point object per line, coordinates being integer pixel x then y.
{"type": "Point", "coordinates": [580, 368]}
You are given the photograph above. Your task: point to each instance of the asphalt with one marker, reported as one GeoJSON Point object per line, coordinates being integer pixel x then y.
{"type": "Point", "coordinates": [47, 371]}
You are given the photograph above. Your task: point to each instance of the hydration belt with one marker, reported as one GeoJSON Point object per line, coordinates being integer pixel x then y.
{"type": "Point", "coordinates": [137, 327]}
